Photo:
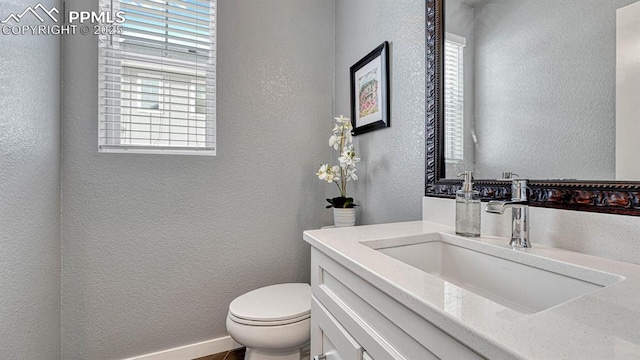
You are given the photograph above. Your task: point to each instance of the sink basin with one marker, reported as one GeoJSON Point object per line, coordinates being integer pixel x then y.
{"type": "Point", "coordinates": [521, 281]}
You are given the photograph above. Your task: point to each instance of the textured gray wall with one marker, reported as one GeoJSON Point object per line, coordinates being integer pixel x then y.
{"type": "Point", "coordinates": [543, 111]}
{"type": "Point", "coordinates": [391, 172]}
{"type": "Point", "coordinates": [30, 191]}
{"type": "Point", "coordinates": [155, 247]}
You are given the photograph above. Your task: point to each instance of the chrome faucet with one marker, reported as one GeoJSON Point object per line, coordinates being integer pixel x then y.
{"type": "Point", "coordinates": [519, 205]}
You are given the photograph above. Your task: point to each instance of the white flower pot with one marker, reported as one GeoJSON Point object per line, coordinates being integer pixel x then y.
{"type": "Point", "coordinates": [344, 217]}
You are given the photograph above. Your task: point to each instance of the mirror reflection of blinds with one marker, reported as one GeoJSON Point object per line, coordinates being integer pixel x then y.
{"type": "Point", "coordinates": [454, 98]}
{"type": "Point", "coordinates": [157, 78]}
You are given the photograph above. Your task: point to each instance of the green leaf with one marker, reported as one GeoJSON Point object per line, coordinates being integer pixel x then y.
{"type": "Point", "coordinates": [342, 202]}
{"type": "Point", "coordinates": [330, 201]}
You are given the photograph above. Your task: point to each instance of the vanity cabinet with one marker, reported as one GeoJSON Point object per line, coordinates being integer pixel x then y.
{"type": "Point", "coordinates": [353, 320]}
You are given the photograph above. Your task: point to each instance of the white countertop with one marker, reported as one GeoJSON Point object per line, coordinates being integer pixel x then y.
{"type": "Point", "coordinates": [603, 325]}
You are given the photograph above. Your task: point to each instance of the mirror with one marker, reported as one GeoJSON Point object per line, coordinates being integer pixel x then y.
{"type": "Point", "coordinates": [536, 96]}
{"type": "Point", "coordinates": [530, 88]}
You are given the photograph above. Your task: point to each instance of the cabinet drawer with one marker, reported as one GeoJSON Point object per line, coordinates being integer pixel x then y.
{"type": "Point", "coordinates": [328, 337]}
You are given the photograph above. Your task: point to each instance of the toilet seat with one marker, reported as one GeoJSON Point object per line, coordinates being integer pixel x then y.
{"type": "Point", "coordinates": [272, 305]}
{"type": "Point", "coordinates": [251, 322]}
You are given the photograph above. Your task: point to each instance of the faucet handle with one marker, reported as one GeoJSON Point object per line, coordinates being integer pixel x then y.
{"type": "Point", "coordinates": [520, 190]}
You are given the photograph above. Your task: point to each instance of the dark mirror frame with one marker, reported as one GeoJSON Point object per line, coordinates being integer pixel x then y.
{"type": "Point", "coordinates": [615, 197]}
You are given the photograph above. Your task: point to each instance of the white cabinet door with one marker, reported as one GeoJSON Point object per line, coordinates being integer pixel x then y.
{"type": "Point", "coordinates": [329, 338]}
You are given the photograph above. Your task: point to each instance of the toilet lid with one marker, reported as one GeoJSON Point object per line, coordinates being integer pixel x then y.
{"type": "Point", "coordinates": [273, 303]}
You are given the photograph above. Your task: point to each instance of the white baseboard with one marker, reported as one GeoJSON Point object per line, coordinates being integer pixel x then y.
{"type": "Point", "coordinates": [193, 351]}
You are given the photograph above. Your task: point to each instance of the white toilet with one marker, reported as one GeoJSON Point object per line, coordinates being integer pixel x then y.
{"type": "Point", "coordinates": [273, 322]}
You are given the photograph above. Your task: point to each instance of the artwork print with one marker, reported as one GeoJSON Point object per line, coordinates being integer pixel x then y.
{"type": "Point", "coordinates": [370, 91]}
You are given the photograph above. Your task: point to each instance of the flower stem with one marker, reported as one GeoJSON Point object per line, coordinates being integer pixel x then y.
{"type": "Point", "coordinates": [343, 171]}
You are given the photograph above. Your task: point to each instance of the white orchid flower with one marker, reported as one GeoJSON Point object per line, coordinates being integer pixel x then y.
{"type": "Point", "coordinates": [322, 171]}
{"type": "Point", "coordinates": [329, 174]}
{"type": "Point", "coordinates": [333, 174]}
{"type": "Point", "coordinates": [334, 141]}
{"type": "Point", "coordinates": [348, 156]}
{"type": "Point", "coordinates": [351, 174]}
{"type": "Point", "coordinates": [343, 120]}
{"type": "Point", "coordinates": [349, 137]}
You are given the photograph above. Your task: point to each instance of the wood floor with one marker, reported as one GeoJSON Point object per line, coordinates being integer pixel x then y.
{"type": "Point", "coordinates": [237, 354]}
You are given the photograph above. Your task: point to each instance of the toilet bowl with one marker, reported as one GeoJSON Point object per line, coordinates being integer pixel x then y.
{"type": "Point", "coordinates": [272, 322]}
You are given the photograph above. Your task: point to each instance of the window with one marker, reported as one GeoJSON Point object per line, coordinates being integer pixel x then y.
{"type": "Point", "coordinates": [157, 78]}
{"type": "Point", "coordinates": [454, 97]}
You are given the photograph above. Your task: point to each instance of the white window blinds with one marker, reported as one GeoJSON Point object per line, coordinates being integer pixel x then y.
{"type": "Point", "coordinates": [157, 78]}
{"type": "Point", "coordinates": [454, 97]}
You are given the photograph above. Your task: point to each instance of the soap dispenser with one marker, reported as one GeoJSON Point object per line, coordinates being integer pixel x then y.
{"type": "Point", "coordinates": [467, 207]}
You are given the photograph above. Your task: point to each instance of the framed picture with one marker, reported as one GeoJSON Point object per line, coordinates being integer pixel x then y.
{"type": "Point", "coordinates": [370, 91]}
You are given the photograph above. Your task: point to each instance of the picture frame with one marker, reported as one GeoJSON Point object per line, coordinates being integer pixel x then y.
{"type": "Point", "coordinates": [370, 105]}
